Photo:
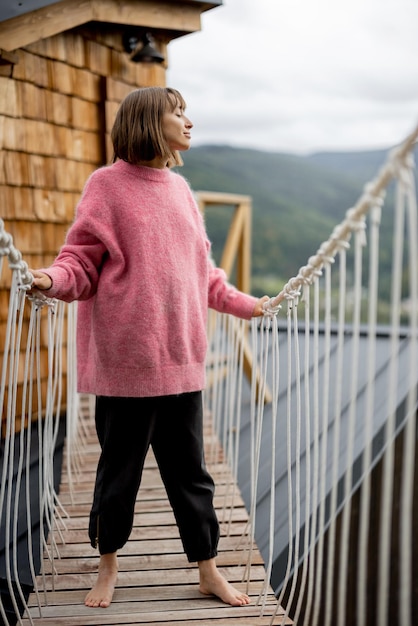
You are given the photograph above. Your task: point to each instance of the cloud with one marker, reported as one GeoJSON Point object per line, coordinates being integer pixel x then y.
{"type": "Point", "coordinates": [298, 76]}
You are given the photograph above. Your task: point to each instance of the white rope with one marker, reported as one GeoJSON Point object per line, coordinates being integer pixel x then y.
{"type": "Point", "coordinates": [213, 395]}
{"type": "Point", "coordinates": [407, 497]}
{"type": "Point", "coordinates": [40, 407]}
{"type": "Point", "coordinates": [257, 427]}
{"type": "Point", "coordinates": [73, 404]}
{"type": "Point", "coordinates": [232, 412]}
{"type": "Point", "coordinates": [275, 378]}
{"type": "Point", "coordinates": [336, 439]}
{"type": "Point", "coordinates": [389, 457]}
{"type": "Point", "coordinates": [323, 447]}
{"type": "Point", "coordinates": [308, 464]}
{"type": "Point", "coordinates": [16, 263]}
{"type": "Point", "coordinates": [289, 463]}
{"type": "Point", "coordinates": [365, 495]}
{"type": "Point", "coordinates": [10, 380]}
{"type": "Point", "coordinates": [267, 325]}
{"type": "Point", "coordinates": [346, 514]}
{"type": "Point", "coordinates": [297, 454]}
{"type": "Point", "coordinates": [210, 394]}
{"type": "Point", "coordinates": [315, 455]}
{"type": "Point", "coordinates": [10, 521]}
{"type": "Point", "coordinates": [30, 377]}
{"type": "Point", "coordinates": [7, 351]}
{"type": "Point", "coordinates": [51, 504]}
{"type": "Point", "coordinates": [19, 370]}
{"type": "Point", "coordinates": [238, 327]}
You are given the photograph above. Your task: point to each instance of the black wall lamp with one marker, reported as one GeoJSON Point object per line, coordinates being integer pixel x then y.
{"type": "Point", "coordinates": [141, 48]}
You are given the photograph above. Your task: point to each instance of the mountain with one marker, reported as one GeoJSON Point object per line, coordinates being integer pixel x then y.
{"type": "Point", "coordinates": [297, 201]}
{"type": "Point", "coordinates": [357, 165]}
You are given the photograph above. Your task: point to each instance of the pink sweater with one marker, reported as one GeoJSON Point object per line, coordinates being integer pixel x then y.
{"type": "Point", "coordinates": [137, 258]}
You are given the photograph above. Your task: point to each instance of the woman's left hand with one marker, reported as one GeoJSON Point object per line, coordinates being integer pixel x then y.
{"type": "Point", "coordinates": [258, 309]}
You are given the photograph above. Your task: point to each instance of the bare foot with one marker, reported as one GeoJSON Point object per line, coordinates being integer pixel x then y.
{"type": "Point", "coordinates": [102, 592]}
{"type": "Point", "coordinates": [213, 583]}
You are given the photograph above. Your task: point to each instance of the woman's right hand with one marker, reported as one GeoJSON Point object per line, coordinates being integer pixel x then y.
{"type": "Point", "coordinates": [41, 280]}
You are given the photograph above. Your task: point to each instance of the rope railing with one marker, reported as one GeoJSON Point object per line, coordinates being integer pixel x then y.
{"type": "Point", "coordinates": [31, 397]}
{"type": "Point", "coordinates": [339, 438]}
{"type": "Point", "coordinates": [400, 160]}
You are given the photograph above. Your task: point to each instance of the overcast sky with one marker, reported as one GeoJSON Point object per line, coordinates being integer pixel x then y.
{"type": "Point", "coordinates": [301, 75]}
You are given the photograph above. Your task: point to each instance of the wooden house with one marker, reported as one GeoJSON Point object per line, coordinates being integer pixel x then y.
{"type": "Point", "coordinates": [64, 68]}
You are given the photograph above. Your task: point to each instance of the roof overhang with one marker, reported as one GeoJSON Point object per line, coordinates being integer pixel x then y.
{"type": "Point", "coordinates": [39, 20]}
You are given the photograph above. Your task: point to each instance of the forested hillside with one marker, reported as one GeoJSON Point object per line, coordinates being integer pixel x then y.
{"type": "Point", "coordinates": [297, 201]}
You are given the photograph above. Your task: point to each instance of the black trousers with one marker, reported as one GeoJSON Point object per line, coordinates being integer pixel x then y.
{"type": "Point", "coordinates": [173, 426]}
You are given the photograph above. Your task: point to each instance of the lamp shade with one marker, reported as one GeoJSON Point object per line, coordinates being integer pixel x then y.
{"type": "Point", "coordinates": [144, 51]}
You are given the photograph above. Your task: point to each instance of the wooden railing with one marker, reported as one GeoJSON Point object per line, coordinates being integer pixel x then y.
{"type": "Point", "coordinates": [236, 255]}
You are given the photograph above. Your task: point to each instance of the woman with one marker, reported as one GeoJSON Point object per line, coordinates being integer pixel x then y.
{"type": "Point", "coordinates": [137, 259]}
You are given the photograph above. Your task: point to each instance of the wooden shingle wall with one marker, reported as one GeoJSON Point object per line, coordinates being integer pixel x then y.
{"type": "Point", "coordinates": [57, 105]}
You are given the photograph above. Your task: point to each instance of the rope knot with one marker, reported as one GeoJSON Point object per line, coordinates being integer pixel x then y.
{"type": "Point", "coordinates": [40, 300]}
{"type": "Point", "coordinates": [270, 310]}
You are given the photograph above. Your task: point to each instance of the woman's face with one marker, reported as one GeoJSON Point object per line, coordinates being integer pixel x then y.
{"type": "Point", "coordinates": [176, 128]}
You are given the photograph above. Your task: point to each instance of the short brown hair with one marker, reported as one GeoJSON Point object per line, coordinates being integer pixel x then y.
{"type": "Point", "coordinates": [137, 131]}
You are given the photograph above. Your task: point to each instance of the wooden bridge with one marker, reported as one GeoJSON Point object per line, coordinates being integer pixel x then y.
{"type": "Point", "coordinates": [156, 584]}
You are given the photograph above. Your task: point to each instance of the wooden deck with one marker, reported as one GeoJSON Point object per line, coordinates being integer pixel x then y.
{"type": "Point", "coordinates": [156, 584]}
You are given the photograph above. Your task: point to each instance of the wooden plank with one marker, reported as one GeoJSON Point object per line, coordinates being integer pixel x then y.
{"type": "Point", "coordinates": [41, 171]}
{"type": "Point", "coordinates": [140, 533]}
{"type": "Point", "coordinates": [69, 175]}
{"type": "Point", "coordinates": [97, 57]}
{"type": "Point", "coordinates": [31, 68]}
{"type": "Point", "coordinates": [16, 202]}
{"type": "Point", "coordinates": [58, 108]}
{"type": "Point", "coordinates": [116, 90]}
{"type": "Point", "coordinates": [53, 206]}
{"type": "Point", "coordinates": [53, 236]}
{"type": "Point", "coordinates": [71, 80]}
{"type": "Point", "coordinates": [8, 58]}
{"type": "Point", "coordinates": [87, 85]}
{"type": "Point", "coordinates": [148, 542]}
{"type": "Point", "coordinates": [8, 96]}
{"type": "Point", "coordinates": [207, 198]}
{"type": "Point", "coordinates": [59, 17]}
{"type": "Point", "coordinates": [14, 169]}
{"type": "Point", "coordinates": [153, 508]}
{"type": "Point", "coordinates": [29, 136]}
{"type": "Point", "coordinates": [121, 68]}
{"type": "Point", "coordinates": [150, 74]}
{"type": "Point", "coordinates": [45, 22]}
{"type": "Point", "coordinates": [68, 47]}
{"type": "Point", "coordinates": [80, 145]}
{"type": "Point", "coordinates": [199, 606]}
{"type": "Point", "coordinates": [32, 101]}
{"type": "Point", "coordinates": [61, 77]}
{"type": "Point", "coordinates": [126, 594]}
{"type": "Point", "coordinates": [227, 617]}
{"type": "Point", "coordinates": [27, 236]}
{"type": "Point", "coordinates": [147, 578]}
{"type": "Point", "coordinates": [84, 114]}
{"type": "Point", "coordinates": [148, 562]}
{"type": "Point", "coordinates": [162, 14]}
{"type": "Point", "coordinates": [148, 495]}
